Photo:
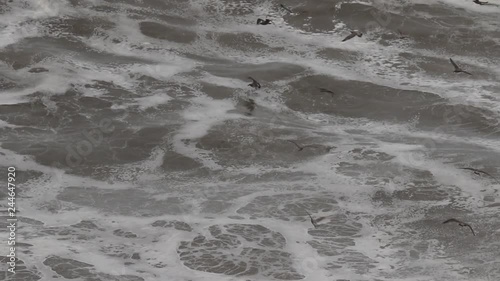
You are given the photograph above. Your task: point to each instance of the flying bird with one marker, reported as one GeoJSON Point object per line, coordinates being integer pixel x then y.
{"type": "Point", "coordinates": [263, 22]}
{"type": "Point", "coordinates": [479, 172]}
{"type": "Point", "coordinates": [313, 220]}
{"type": "Point", "coordinates": [352, 35]}
{"type": "Point", "coordinates": [286, 9]}
{"type": "Point", "coordinates": [458, 69]}
{"type": "Point", "coordinates": [323, 90]}
{"type": "Point", "coordinates": [254, 84]}
{"type": "Point", "coordinates": [461, 224]}
{"type": "Point", "coordinates": [479, 2]}
{"type": "Point", "coordinates": [300, 148]}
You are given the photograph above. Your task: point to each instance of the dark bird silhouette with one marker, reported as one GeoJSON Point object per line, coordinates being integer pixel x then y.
{"type": "Point", "coordinates": [352, 35]}
{"type": "Point", "coordinates": [250, 105]}
{"type": "Point", "coordinates": [402, 35]}
{"type": "Point", "coordinates": [313, 220]}
{"type": "Point", "coordinates": [300, 148]}
{"type": "Point", "coordinates": [479, 2]}
{"type": "Point", "coordinates": [264, 22]}
{"type": "Point", "coordinates": [254, 84]}
{"type": "Point", "coordinates": [458, 69]}
{"type": "Point", "coordinates": [479, 172]}
{"type": "Point", "coordinates": [461, 224]}
{"type": "Point", "coordinates": [323, 90]}
{"type": "Point", "coordinates": [286, 9]}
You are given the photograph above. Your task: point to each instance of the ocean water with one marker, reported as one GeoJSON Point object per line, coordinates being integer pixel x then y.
{"type": "Point", "coordinates": [141, 153]}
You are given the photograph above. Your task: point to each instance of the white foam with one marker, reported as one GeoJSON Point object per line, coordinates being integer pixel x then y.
{"type": "Point", "coordinates": [225, 82]}
{"type": "Point", "coordinates": [15, 21]}
{"type": "Point", "coordinates": [470, 6]}
{"type": "Point", "coordinates": [4, 124]}
{"type": "Point", "coordinates": [201, 117]}
{"type": "Point", "coordinates": [206, 113]}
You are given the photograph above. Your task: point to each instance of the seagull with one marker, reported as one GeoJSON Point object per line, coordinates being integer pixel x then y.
{"type": "Point", "coordinates": [461, 224]}
{"type": "Point", "coordinates": [315, 221]}
{"type": "Point", "coordinates": [402, 35]}
{"type": "Point", "coordinates": [479, 2]}
{"type": "Point", "coordinates": [300, 148]}
{"type": "Point", "coordinates": [263, 22]}
{"type": "Point", "coordinates": [254, 83]}
{"type": "Point", "coordinates": [323, 90]}
{"type": "Point", "coordinates": [479, 172]}
{"type": "Point", "coordinates": [286, 9]}
{"type": "Point", "coordinates": [353, 33]}
{"type": "Point", "coordinates": [457, 68]}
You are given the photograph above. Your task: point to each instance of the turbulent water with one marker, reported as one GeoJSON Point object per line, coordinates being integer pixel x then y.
{"type": "Point", "coordinates": [140, 155]}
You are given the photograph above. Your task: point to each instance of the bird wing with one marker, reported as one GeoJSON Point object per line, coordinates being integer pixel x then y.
{"type": "Point", "coordinates": [454, 64]}
{"type": "Point", "coordinates": [311, 145]}
{"type": "Point", "coordinates": [470, 169]}
{"type": "Point", "coordinates": [451, 220]}
{"type": "Point", "coordinates": [295, 145]}
{"type": "Point", "coordinates": [308, 213]}
{"type": "Point", "coordinates": [253, 80]}
{"type": "Point", "coordinates": [349, 36]}
{"type": "Point", "coordinates": [312, 220]}
{"type": "Point", "coordinates": [284, 7]}
{"type": "Point", "coordinates": [323, 90]}
{"type": "Point", "coordinates": [320, 219]}
{"type": "Point", "coordinates": [471, 229]}
{"type": "Point", "coordinates": [489, 175]}
{"type": "Point", "coordinates": [482, 172]}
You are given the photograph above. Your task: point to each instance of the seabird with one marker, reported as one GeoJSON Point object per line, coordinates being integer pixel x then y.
{"type": "Point", "coordinates": [457, 68]}
{"type": "Point", "coordinates": [285, 8]}
{"type": "Point", "coordinates": [313, 220]}
{"type": "Point", "coordinates": [461, 224]}
{"type": "Point", "coordinates": [479, 2]}
{"type": "Point", "coordinates": [300, 148]}
{"type": "Point", "coordinates": [323, 90]}
{"type": "Point", "coordinates": [479, 172]}
{"type": "Point", "coordinates": [254, 83]}
{"type": "Point", "coordinates": [353, 33]}
{"type": "Point", "coordinates": [263, 22]}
